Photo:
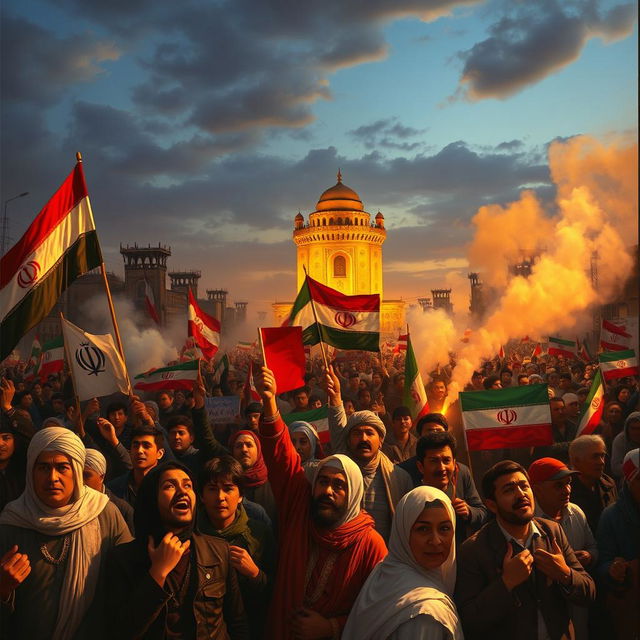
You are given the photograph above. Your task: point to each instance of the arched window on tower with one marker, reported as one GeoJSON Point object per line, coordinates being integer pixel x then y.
{"type": "Point", "coordinates": [339, 267]}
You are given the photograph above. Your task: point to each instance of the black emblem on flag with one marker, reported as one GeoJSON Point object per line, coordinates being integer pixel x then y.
{"type": "Point", "coordinates": [90, 358]}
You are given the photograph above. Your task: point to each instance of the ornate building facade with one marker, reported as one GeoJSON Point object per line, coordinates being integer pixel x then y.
{"type": "Point", "coordinates": [342, 248]}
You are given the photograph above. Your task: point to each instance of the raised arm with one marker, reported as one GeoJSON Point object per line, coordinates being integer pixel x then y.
{"type": "Point", "coordinates": [286, 474]}
{"type": "Point", "coordinates": [337, 415]}
{"type": "Point", "coordinates": [204, 438]}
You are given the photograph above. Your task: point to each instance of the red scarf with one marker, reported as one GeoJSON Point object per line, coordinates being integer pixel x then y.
{"type": "Point", "coordinates": [256, 475]}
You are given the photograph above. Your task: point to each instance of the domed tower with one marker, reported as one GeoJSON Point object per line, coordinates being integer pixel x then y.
{"type": "Point", "coordinates": [340, 247]}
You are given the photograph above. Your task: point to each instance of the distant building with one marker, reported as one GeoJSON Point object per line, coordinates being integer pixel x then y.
{"type": "Point", "coordinates": [341, 248]}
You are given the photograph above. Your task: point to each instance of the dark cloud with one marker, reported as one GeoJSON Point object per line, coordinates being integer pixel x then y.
{"type": "Point", "coordinates": [389, 134]}
{"type": "Point", "coordinates": [38, 67]}
{"type": "Point", "coordinates": [534, 40]}
{"type": "Point", "coordinates": [510, 145]}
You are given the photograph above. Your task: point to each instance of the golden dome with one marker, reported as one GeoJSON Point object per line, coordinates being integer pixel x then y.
{"type": "Point", "coordinates": [339, 198]}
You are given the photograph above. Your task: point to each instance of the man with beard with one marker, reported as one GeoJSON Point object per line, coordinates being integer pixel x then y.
{"type": "Point", "coordinates": [328, 545]}
{"type": "Point", "coordinates": [171, 581]}
{"type": "Point", "coordinates": [361, 437]}
{"type": "Point", "coordinates": [518, 574]}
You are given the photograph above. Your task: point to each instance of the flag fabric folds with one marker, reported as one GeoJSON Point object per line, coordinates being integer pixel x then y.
{"type": "Point", "coordinates": [98, 369]}
{"type": "Point", "coordinates": [414, 396]}
{"type": "Point", "coordinates": [618, 364]}
{"type": "Point", "coordinates": [344, 322]}
{"type": "Point", "coordinates": [150, 302]}
{"type": "Point", "coordinates": [249, 392]}
{"type": "Point", "coordinates": [592, 408]}
{"type": "Point", "coordinates": [60, 245]}
{"type": "Point", "coordinates": [34, 359]}
{"type": "Point", "coordinates": [204, 329]}
{"type": "Point", "coordinates": [561, 347]}
{"type": "Point", "coordinates": [52, 358]}
{"type": "Point", "coordinates": [614, 337]}
{"type": "Point", "coordinates": [507, 418]}
{"type": "Point", "coordinates": [319, 418]}
{"type": "Point", "coordinates": [401, 345]}
{"type": "Point", "coordinates": [179, 376]}
{"type": "Point", "coordinates": [284, 355]}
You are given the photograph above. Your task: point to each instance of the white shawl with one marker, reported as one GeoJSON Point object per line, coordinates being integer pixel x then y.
{"type": "Point", "coordinates": [399, 589]}
{"type": "Point", "coordinates": [79, 519]}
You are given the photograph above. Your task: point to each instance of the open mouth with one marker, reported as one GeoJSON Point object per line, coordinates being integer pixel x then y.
{"type": "Point", "coordinates": [182, 505]}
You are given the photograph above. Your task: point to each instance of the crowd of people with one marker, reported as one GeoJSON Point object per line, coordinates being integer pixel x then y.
{"type": "Point", "coordinates": [134, 517]}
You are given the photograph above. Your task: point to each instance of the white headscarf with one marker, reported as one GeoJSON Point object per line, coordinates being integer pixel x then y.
{"type": "Point", "coordinates": [399, 589]}
{"type": "Point", "coordinates": [78, 519]}
{"type": "Point", "coordinates": [355, 485]}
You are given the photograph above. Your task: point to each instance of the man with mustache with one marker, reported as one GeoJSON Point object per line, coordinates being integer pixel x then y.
{"type": "Point", "coordinates": [327, 543]}
{"type": "Point", "coordinates": [172, 581]}
{"type": "Point", "coordinates": [518, 575]}
{"type": "Point", "coordinates": [361, 437]}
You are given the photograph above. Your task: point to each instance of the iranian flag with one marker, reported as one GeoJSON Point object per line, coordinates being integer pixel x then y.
{"type": "Point", "coordinates": [52, 359]}
{"type": "Point", "coordinates": [614, 337]}
{"type": "Point", "coordinates": [593, 406]}
{"type": "Point", "coordinates": [249, 391]}
{"type": "Point", "coordinates": [507, 418]}
{"type": "Point", "coordinates": [561, 347]}
{"type": "Point", "coordinates": [344, 322]}
{"type": "Point", "coordinates": [204, 329]}
{"type": "Point", "coordinates": [150, 302]}
{"type": "Point", "coordinates": [583, 351]}
{"type": "Point", "coordinates": [34, 359]}
{"type": "Point", "coordinates": [414, 396]}
{"type": "Point", "coordinates": [245, 346]}
{"type": "Point", "coordinates": [319, 418]}
{"type": "Point", "coordinates": [179, 376]}
{"type": "Point", "coordinates": [60, 245]}
{"type": "Point", "coordinates": [618, 364]}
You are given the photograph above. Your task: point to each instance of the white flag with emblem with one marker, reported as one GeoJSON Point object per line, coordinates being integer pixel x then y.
{"type": "Point", "coordinates": [98, 369]}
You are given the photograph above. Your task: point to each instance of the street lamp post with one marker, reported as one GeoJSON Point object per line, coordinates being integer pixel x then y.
{"type": "Point", "coordinates": [5, 223]}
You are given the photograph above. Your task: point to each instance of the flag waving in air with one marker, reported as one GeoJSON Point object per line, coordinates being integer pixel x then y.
{"type": "Point", "coordinates": [507, 418]}
{"type": "Point", "coordinates": [60, 245]}
{"type": "Point", "coordinates": [560, 347]}
{"type": "Point", "coordinates": [593, 406]}
{"type": "Point", "coordinates": [618, 364]}
{"type": "Point", "coordinates": [204, 329]}
{"type": "Point", "coordinates": [52, 358]}
{"type": "Point", "coordinates": [415, 396]}
{"type": "Point", "coordinates": [98, 369]}
{"type": "Point", "coordinates": [614, 337]}
{"type": "Point", "coordinates": [344, 322]}
{"type": "Point", "coordinates": [150, 303]}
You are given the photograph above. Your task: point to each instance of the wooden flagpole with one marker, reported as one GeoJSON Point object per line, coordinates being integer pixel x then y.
{"type": "Point", "coordinates": [315, 317]}
{"type": "Point", "coordinates": [112, 310]}
{"type": "Point", "coordinates": [81, 431]}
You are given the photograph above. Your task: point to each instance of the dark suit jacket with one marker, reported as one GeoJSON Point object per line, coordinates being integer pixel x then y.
{"type": "Point", "coordinates": [488, 610]}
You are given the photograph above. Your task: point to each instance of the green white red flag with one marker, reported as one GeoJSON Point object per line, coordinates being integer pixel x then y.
{"type": "Point", "coordinates": [98, 369]}
{"type": "Point", "coordinates": [618, 364]}
{"type": "Point", "coordinates": [245, 346]}
{"type": "Point", "coordinates": [60, 245]}
{"type": "Point", "coordinates": [34, 359]}
{"type": "Point", "coordinates": [583, 351]}
{"type": "Point", "coordinates": [203, 328]}
{"type": "Point", "coordinates": [52, 358]}
{"type": "Point", "coordinates": [414, 396]}
{"type": "Point", "coordinates": [249, 391]}
{"type": "Point", "coordinates": [560, 347]}
{"type": "Point", "coordinates": [179, 376]}
{"type": "Point", "coordinates": [614, 337]}
{"type": "Point", "coordinates": [150, 302]}
{"type": "Point", "coordinates": [319, 418]}
{"type": "Point", "coordinates": [344, 322]}
{"type": "Point", "coordinates": [401, 344]}
{"type": "Point", "coordinates": [592, 408]}
{"type": "Point", "coordinates": [507, 418]}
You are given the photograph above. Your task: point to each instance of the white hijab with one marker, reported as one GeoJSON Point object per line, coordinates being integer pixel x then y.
{"type": "Point", "coordinates": [78, 519]}
{"type": "Point", "coordinates": [355, 484]}
{"type": "Point", "coordinates": [399, 589]}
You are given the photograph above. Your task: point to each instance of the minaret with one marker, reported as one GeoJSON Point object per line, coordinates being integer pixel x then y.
{"type": "Point", "coordinates": [182, 280]}
{"type": "Point", "coordinates": [219, 299]}
{"type": "Point", "coordinates": [442, 299]}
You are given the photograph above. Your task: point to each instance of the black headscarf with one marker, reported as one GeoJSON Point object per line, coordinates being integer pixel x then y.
{"type": "Point", "coordinates": [146, 516]}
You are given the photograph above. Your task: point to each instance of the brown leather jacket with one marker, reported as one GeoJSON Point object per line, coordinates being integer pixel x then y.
{"type": "Point", "coordinates": [488, 610]}
{"type": "Point", "coordinates": [137, 605]}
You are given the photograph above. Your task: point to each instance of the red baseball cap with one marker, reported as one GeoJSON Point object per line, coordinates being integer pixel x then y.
{"type": "Point", "coordinates": [548, 469]}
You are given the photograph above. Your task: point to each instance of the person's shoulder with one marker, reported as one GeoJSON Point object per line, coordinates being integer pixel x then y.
{"type": "Point", "coordinates": [480, 537]}
{"type": "Point", "coordinates": [607, 482]}
{"type": "Point", "coordinates": [577, 512]}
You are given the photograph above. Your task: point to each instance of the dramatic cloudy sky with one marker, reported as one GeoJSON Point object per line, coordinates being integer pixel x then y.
{"type": "Point", "coordinates": [207, 125]}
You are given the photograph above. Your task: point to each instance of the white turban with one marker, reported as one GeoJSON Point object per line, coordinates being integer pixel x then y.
{"type": "Point", "coordinates": [96, 461]}
{"type": "Point", "coordinates": [79, 519]}
{"type": "Point", "coordinates": [355, 483]}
